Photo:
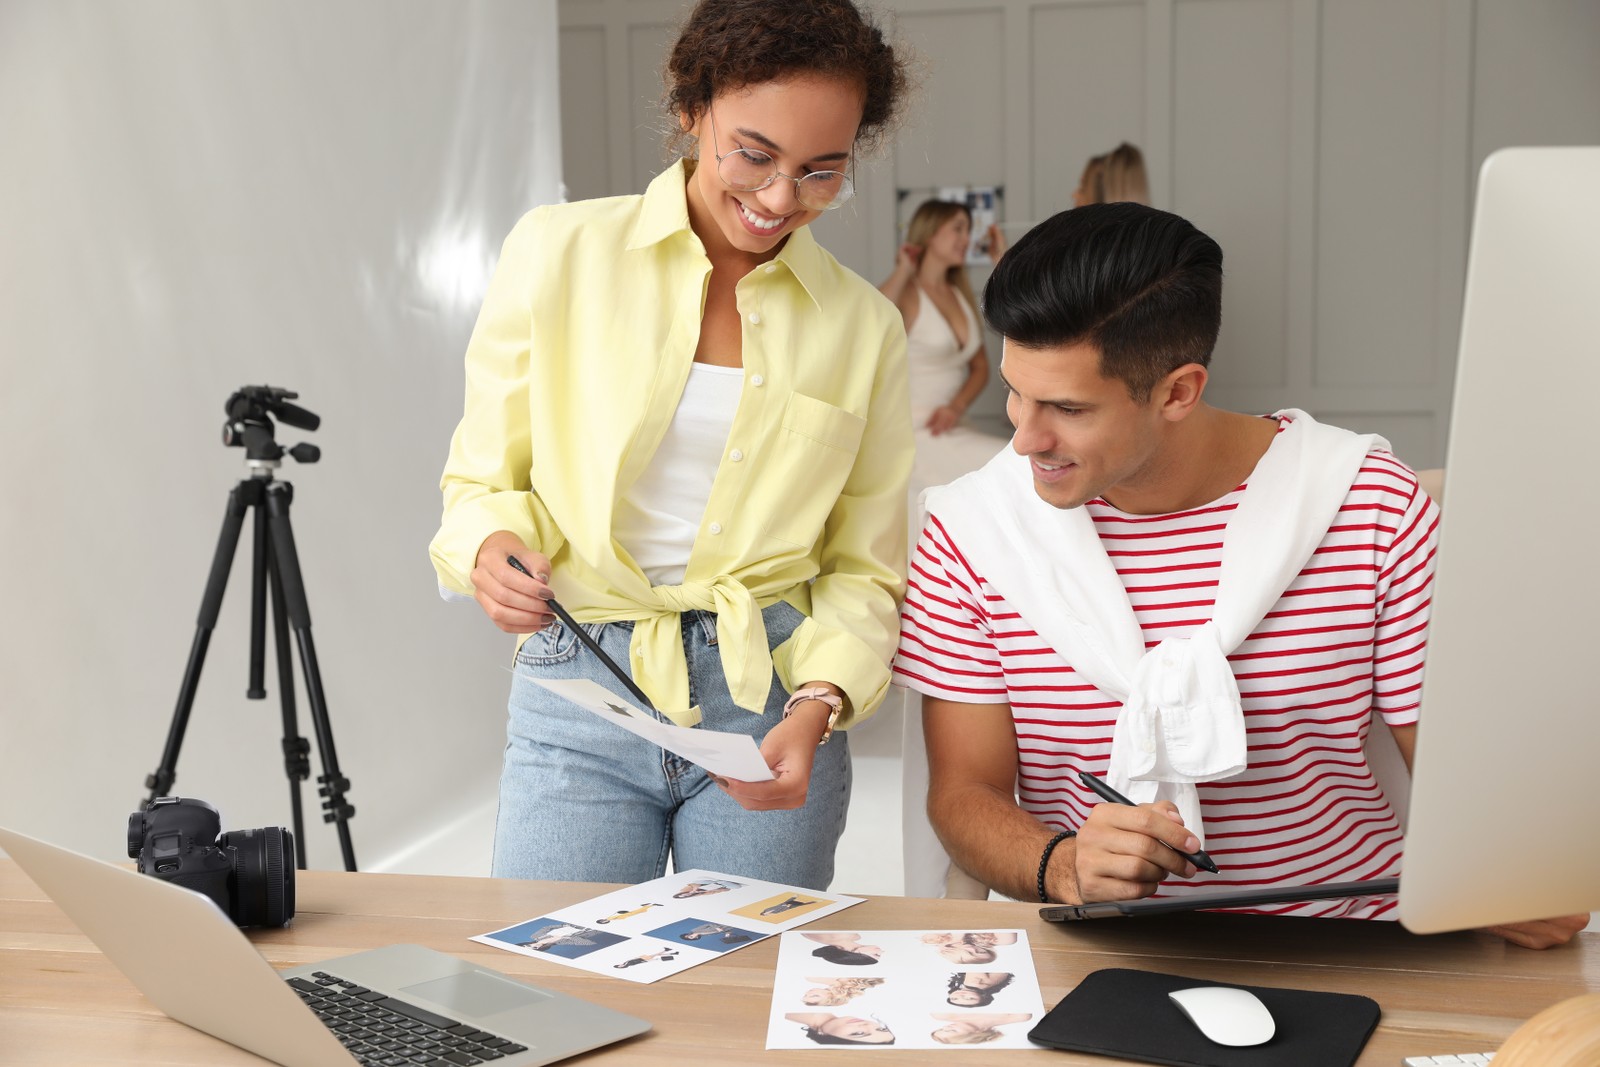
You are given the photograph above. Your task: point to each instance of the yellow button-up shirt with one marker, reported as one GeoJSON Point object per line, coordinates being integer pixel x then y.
{"type": "Point", "coordinates": [574, 372]}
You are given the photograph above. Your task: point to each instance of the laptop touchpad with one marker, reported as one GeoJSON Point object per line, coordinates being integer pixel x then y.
{"type": "Point", "coordinates": [475, 993]}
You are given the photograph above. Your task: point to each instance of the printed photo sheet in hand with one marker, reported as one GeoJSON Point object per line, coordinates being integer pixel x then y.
{"type": "Point", "coordinates": [655, 929]}
{"type": "Point", "coordinates": [728, 755]}
{"type": "Point", "coordinates": [922, 989]}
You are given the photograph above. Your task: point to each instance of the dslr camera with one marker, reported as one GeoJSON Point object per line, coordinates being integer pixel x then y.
{"type": "Point", "coordinates": [248, 873]}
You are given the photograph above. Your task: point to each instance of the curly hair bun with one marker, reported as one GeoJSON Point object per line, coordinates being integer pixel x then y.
{"type": "Point", "coordinates": [729, 44]}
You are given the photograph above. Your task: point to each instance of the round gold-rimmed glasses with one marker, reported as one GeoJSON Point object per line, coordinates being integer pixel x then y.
{"type": "Point", "coordinates": [750, 170]}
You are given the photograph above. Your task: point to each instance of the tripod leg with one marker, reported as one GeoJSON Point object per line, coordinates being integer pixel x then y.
{"type": "Point", "coordinates": [256, 689]}
{"type": "Point", "coordinates": [296, 749]}
{"type": "Point", "coordinates": [287, 565]}
{"type": "Point", "coordinates": [240, 500]}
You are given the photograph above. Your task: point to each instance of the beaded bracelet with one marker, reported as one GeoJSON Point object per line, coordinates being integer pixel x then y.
{"type": "Point", "coordinates": [1044, 860]}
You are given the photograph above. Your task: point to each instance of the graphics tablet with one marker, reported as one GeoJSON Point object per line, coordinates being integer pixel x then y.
{"type": "Point", "coordinates": [1240, 898]}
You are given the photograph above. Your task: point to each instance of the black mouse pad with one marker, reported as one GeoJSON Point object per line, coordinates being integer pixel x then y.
{"type": "Point", "coordinates": [1118, 1012]}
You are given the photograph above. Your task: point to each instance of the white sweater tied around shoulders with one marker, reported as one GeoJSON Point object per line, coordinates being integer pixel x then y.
{"type": "Point", "coordinates": [1182, 719]}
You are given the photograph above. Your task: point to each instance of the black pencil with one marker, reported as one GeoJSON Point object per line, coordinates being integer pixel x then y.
{"type": "Point", "coordinates": [591, 644]}
{"type": "Point", "coordinates": [1098, 784]}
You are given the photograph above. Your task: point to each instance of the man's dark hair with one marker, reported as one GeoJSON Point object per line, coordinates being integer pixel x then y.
{"type": "Point", "coordinates": [1143, 286]}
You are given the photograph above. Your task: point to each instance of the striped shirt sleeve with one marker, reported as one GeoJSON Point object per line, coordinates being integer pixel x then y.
{"type": "Point", "coordinates": [1404, 599]}
{"type": "Point", "coordinates": [947, 648]}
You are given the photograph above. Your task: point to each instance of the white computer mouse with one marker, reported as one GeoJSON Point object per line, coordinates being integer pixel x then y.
{"type": "Point", "coordinates": [1226, 1015]}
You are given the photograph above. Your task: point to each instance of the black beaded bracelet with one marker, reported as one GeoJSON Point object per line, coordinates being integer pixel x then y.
{"type": "Point", "coordinates": [1044, 860]}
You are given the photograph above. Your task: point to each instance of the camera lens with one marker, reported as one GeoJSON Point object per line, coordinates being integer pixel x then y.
{"type": "Point", "coordinates": [135, 833]}
{"type": "Point", "coordinates": [263, 875]}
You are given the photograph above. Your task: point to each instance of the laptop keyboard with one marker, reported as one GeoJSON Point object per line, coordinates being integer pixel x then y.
{"type": "Point", "coordinates": [1460, 1059]}
{"type": "Point", "coordinates": [380, 1031]}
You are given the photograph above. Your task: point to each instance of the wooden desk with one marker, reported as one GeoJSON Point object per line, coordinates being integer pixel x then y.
{"type": "Point", "coordinates": [62, 1003]}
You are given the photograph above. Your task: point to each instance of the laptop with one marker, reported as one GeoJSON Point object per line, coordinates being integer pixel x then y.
{"type": "Point", "coordinates": [193, 963]}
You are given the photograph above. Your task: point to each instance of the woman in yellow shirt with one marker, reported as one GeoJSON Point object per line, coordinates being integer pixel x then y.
{"type": "Point", "coordinates": [690, 425]}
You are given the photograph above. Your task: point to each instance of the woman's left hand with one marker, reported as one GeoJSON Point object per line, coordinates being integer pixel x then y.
{"type": "Point", "coordinates": [789, 749]}
{"type": "Point", "coordinates": [944, 419]}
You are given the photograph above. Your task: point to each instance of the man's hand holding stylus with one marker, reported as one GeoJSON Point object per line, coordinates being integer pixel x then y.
{"type": "Point", "coordinates": [514, 602]}
{"type": "Point", "coordinates": [1124, 853]}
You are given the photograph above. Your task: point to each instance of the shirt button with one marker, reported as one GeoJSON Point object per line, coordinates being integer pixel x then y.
{"type": "Point", "coordinates": [736, 455]}
{"type": "Point", "coordinates": [771, 267]}
{"type": "Point", "coordinates": [755, 319]}
{"type": "Point", "coordinates": [715, 527]}
{"type": "Point", "coordinates": [757, 380]}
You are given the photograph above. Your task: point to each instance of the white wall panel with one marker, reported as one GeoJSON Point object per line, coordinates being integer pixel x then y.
{"type": "Point", "coordinates": [1230, 167]}
{"type": "Point", "coordinates": [1088, 81]}
{"type": "Point", "coordinates": [585, 106]}
{"type": "Point", "coordinates": [959, 135]}
{"type": "Point", "coordinates": [1536, 76]}
{"type": "Point", "coordinates": [1379, 228]}
{"type": "Point", "coordinates": [647, 125]}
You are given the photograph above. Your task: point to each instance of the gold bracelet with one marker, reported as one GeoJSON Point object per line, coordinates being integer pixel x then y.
{"type": "Point", "coordinates": [835, 707]}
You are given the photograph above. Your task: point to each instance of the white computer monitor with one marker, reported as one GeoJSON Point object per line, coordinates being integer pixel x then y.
{"type": "Point", "coordinates": [1504, 822]}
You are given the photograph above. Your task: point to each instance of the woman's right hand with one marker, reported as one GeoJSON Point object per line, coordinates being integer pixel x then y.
{"type": "Point", "coordinates": [994, 243]}
{"type": "Point", "coordinates": [513, 601]}
{"type": "Point", "coordinates": [907, 258]}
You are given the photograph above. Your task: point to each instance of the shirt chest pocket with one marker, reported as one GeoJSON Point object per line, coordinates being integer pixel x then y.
{"type": "Point", "coordinates": [811, 458]}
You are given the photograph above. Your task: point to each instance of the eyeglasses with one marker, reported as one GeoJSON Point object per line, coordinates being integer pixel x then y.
{"type": "Point", "coordinates": [749, 170]}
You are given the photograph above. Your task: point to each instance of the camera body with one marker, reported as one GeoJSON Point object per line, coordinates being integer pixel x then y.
{"type": "Point", "coordinates": [248, 873]}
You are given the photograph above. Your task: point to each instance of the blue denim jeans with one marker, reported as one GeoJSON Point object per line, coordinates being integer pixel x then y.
{"type": "Point", "coordinates": [582, 800]}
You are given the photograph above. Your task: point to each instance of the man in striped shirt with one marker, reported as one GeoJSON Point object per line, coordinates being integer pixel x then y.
{"type": "Point", "coordinates": [1110, 314]}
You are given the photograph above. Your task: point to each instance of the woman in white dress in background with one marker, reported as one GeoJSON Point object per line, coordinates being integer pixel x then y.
{"type": "Point", "coordinates": [944, 347]}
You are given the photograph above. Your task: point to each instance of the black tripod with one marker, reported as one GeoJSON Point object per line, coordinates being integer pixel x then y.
{"type": "Point", "coordinates": [275, 565]}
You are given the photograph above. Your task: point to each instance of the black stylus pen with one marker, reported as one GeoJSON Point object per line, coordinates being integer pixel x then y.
{"type": "Point", "coordinates": [594, 646]}
{"type": "Point", "coordinates": [1098, 784]}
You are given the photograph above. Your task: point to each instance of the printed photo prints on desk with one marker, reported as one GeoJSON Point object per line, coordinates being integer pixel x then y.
{"type": "Point", "coordinates": [922, 989]}
{"type": "Point", "coordinates": [653, 930]}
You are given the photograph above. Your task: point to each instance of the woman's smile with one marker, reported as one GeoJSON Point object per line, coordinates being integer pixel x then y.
{"type": "Point", "coordinates": [760, 224]}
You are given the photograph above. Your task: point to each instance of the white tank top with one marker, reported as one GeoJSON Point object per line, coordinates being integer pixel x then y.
{"type": "Point", "coordinates": [658, 516]}
{"type": "Point", "coordinates": [939, 364]}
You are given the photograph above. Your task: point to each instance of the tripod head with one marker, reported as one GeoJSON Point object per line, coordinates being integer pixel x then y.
{"type": "Point", "coordinates": [250, 426]}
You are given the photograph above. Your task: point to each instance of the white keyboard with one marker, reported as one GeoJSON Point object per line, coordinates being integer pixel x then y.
{"type": "Point", "coordinates": [1475, 1058]}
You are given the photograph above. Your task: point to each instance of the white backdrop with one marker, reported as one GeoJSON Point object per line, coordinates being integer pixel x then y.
{"type": "Point", "coordinates": [195, 196]}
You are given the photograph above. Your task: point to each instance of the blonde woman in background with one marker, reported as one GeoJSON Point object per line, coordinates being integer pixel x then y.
{"type": "Point", "coordinates": [1117, 176]}
{"type": "Point", "coordinates": [944, 345]}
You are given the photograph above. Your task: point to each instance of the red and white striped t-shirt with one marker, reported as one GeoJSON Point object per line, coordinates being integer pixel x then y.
{"type": "Point", "coordinates": [1346, 638]}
